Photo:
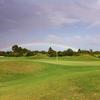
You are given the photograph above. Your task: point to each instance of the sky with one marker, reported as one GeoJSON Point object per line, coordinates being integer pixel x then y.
{"type": "Point", "coordinates": [38, 24]}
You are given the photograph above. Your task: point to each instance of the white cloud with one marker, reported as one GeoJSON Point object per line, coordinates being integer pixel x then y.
{"type": "Point", "coordinates": [76, 41]}
{"type": "Point", "coordinates": [45, 46]}
{"type": "Point", "coordinates": [54, 39]}
{"type": "Point", "coordinates": [83, 11]}
{"type": "Point", "coordinates": [59, 19]}
{"type": "Point", "coordinates": [64, 41]}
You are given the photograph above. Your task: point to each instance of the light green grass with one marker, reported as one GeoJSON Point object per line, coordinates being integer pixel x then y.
{"type": "Point", "coordinates": [71, 78]}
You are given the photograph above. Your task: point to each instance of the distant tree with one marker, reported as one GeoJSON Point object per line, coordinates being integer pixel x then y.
{"type": "Point", "coordinates": [79, 50]}
{"type": "Point", "coordinates": [2, 53]}
{"type": "Point", "coordinates": [96, 52]}
{"type": "Point", "coordinates": [85, 52]}
{"type": "Point", "coordinates": [27, 54]}
{"type": "Point", "coordinates": [8, 54]}
{"type": "Point", "coordinates": [19, 51]}
{"type": "Point", "coordinates": [76, 53]}
{"type": "Point", "coordinates": [51, 52]}
{"type": "Point", "coordinates": [68, 52]}
{"type": "Point", "coordinates": [91, 52]}
{"type": "Point", "coordinates": [60, 53]}
{"type": "Point", "coordinates": [15, 48]}
{"type": "Point", "coordinates": [43, 52]}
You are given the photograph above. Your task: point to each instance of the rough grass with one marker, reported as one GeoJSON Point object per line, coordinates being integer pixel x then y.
{"type": "Point", "coordinates": [45, 79]}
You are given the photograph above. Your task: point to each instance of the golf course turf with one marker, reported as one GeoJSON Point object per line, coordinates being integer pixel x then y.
{"type": "Point", "coordinates": [65, 78]}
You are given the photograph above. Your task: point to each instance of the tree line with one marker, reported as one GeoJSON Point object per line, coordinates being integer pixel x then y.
{"type": "Point", "coordinates": [18, 51]}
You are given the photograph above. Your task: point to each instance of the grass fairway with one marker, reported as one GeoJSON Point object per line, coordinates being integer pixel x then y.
{"type": "Point", "coordinates": [69, 78]}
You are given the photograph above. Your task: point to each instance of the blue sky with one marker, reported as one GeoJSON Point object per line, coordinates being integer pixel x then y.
{"type": "Point", "coordinates": [38, 24]}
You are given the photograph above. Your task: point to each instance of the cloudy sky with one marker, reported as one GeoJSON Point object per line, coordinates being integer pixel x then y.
{"type": "Point", "coordinates": [38, 24]}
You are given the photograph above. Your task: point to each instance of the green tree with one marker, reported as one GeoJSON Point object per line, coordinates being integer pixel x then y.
{"type": "Point", "coordinates": [79, 50]}
{"type": "Point", "coordinates": [15, 48]}
{"type": "Point", "coordinates": [51, 52]}
{"type": "Point", "coordinates": [60, 53]}
{"type": "Point", "coordinates": [68, 52]}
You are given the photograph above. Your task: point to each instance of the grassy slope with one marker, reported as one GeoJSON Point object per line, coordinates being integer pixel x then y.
{"type": "Point", "coordinates": [72, 78]}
